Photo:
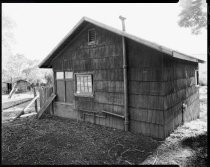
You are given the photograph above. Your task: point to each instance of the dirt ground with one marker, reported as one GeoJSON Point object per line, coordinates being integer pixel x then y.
{"type": "Point", "coordinates": [63, 141]}
{"type": "Point", "coordinates": [17, 96]}
{"type": "Point", "coordinates": [16, 104]}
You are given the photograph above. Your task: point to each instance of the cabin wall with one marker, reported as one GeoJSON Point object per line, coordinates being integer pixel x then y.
{"type": "Point", "coordinates": [180, 87]}
{"type": "Point", "coordinates": [146, 90]}
{"type": "Point", "coordinates": [23, 86]}
{"type": "Point", "coordinates": [4, 88]}
{"type": "Point", "coordinates": [104, 62]}
{"type": "Point", "coordinates": [158, 84]}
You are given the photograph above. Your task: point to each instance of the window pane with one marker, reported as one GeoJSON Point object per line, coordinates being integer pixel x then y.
{"type": "Point", "coordinates": [81, 84]}
{"type": "Point", "coordinates": [86, 89]}
{"type": "Point", "coordinates": [90, 89]}
{"type": "Point", "coordinates": [59, 75]}
{"type": "Point", "coordinates": [85, 79]}
{"type": "Point", "coordinates": [78, 89]}
{"type": "Point", "coordinates": [68, 75]}
{"type": "Point", "coordinates": [82, 88]}
{"type": "Point", "coordinates": [89, 84]}
{"type": "Point", "coordinates": [78, 84]}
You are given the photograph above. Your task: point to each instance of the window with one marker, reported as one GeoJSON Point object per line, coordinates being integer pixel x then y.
{"type": "Point", "coordinates": [59, 75]}
{"type": "Point", "coordinates": [84, 85]}
{"type": "Point", "coordinates": [196, 77]}
{"type": "Point", "coordinates": [91, 36]}
{"type": "Point", "coordinates": [68, 75]}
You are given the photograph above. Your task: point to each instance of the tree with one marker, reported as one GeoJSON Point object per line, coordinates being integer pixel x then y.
{"type": "Point", "coordinates": [36, 75]}
{"type": "Point", "coordinates": [5, 75]}
{"type": "Point", "coordinates": [15, 65]}
{"type": "Point", "coordinates": [8, 39]}
{"type": "Point", "coordinates": [193, 15]}
{"type": "Point", "coordinates": [18, 66]}
{"type": "Point", "coordinates": [7, 30]}
{"type": "Point", "coordinates": [49, 78]}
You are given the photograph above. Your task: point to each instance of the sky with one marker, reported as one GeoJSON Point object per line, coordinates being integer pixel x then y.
{"type": "Point", "coordinates": [40, 27]}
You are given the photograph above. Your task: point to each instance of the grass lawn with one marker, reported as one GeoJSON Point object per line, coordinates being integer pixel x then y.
{"type": "Point", "coordinates": [54, 140]}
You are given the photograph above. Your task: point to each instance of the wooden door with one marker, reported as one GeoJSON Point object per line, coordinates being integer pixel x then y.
{"type": "Point", "coordinates": [69, 84]}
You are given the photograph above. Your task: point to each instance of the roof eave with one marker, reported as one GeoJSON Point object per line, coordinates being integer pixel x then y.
{"type": "Point", "coordinates": [186, 57]}
{"type": "Point", "coordinates": [41, 65]}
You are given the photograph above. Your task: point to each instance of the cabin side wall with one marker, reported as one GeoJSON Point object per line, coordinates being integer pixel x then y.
{"type": "Point", "coordinates": [146, 89]}
{"type": "Point", "coordinates": [104, 62]}
{"type": "Point", "coordinates": [180, 87]}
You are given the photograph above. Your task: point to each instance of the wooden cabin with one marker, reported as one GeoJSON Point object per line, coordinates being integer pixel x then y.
{"type": "Point", "coordinates": [108, 77]}
{"type": "Point", "coordinates": [22, 85]}
{"type": "Point", "coordinates": [6, 87]}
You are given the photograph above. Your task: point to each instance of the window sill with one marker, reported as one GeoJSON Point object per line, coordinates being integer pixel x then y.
{"type": "Point", "coordinates": [92, 43]}
{"type": "Point", "coordinates": [65, 103]}
{"type": "Point", "coordinates": [84, 95]}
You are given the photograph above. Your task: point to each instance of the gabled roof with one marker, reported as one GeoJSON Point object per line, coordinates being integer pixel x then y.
{"type": "Point", "coordinates": [85, 20]}
{"type": "Point", "coordinates": [13, 80]}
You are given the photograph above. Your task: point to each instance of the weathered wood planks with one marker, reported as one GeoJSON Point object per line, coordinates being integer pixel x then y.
{"type": "Point", "coordinates": [158, 85]}
{"type": "Point", "coordinates": [46, 105]}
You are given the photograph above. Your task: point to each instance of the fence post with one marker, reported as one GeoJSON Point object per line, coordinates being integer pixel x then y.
{"type": "Point", "coordinates": [40, 96]}
{"type": "Point", "coordinates": [44, 94]}
{"type": "Point", "coordinates": [35, 104]}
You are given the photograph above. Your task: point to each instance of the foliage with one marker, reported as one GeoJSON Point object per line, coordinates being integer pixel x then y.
{"type": "Point", "coordinates": [7, 30]}
{"type": "Point", "coordinates": [8, 39]}
{"type": "Point", "coordinates": [193, 15]}
{"type": "Point", "coordinates": [49, 78]}
{"type": "Point", "coordinates": [15, 65]}
{"type": "Point", "coordinates": [36, 75]}
{"type": "Point", "coordinates": [5, 75]}
{"type": "Point", "coordinates": [18, 66]}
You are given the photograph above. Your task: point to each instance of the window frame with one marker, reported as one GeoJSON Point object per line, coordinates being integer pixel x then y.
{"type": "Point", "coordinates": [75, 85]}
{"type": "Point", "coordinates": [91, 42]}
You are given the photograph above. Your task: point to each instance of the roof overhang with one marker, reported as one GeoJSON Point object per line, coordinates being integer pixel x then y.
{"type": "Point", "coordinates": [45, 63]}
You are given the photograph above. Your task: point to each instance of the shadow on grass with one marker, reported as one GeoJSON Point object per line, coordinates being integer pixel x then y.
{"type": "Point", "coordinates": [199, 145]}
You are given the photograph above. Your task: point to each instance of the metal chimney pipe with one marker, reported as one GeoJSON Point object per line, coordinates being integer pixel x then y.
{"type": "Point", "coordinates": [125, 78]}
{"type": "Point", "coordinates": [123, 22]}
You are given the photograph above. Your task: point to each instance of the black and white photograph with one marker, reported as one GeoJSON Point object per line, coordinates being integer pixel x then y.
{"type": "Point", "coordinates": [104, 83]}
